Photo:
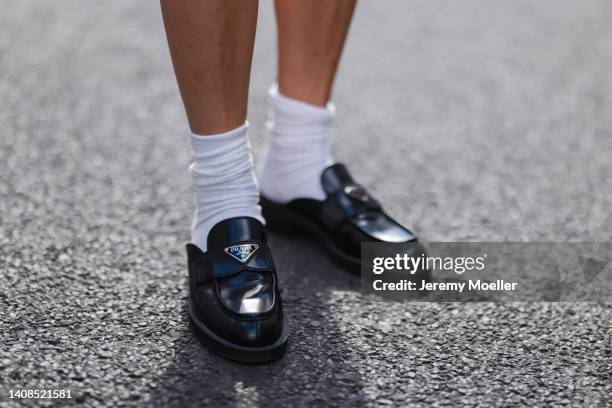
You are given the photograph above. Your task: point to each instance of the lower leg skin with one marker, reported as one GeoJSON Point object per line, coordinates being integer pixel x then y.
{"type": "Point", "coordinates": [211, 44]}
{"type": "Point", "coordinates": [311, 36]}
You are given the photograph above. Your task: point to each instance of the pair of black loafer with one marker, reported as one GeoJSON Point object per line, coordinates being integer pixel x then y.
{"type": "Point", "coordinates": [235, 303]}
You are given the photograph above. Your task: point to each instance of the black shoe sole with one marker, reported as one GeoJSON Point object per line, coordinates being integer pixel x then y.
{"type": "Point", "coordinates": [280, 219]}
{"type": "Point", "coordinates": [235, 352]}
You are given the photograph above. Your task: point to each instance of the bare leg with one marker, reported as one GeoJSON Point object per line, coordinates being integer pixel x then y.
{"type": "Point", "coordinates": [311, 35]}
{"type": "Point", "coordinates": [211, 43]}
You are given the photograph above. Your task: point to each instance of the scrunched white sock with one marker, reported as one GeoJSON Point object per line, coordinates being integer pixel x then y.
{"type": "Point", "coordinates": [225, 185]}
{"type": "Point", "coordinates": [298, 149]}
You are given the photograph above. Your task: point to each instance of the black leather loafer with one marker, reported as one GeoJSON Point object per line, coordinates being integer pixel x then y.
{"type": "Point", "coordinates": [341, 222]}
{"type": "Point", "coordinates": [235, 305]}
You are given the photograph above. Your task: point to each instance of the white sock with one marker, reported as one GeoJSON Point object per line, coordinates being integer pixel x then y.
{"type": "Point", "coordinates": [298, 149]}
{"type": "Point", "coordinates": [225, 185]}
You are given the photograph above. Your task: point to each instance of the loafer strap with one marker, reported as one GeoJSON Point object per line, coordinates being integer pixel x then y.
{"type": "Point", "coordinates": [347, 202]}
{"type": "Point", "coordinates": [235, 258]}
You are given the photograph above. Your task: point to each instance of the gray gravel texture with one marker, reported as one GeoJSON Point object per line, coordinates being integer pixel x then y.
{"type": "Point", "coordinates": [472, 120]}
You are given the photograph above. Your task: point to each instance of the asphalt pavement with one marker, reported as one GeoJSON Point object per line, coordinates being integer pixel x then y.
{"type": "Point", "coordinates": [470, 121]}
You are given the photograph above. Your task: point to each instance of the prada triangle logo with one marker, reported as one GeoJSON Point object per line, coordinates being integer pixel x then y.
{"type": "Point", "coordinates": [241, 252]}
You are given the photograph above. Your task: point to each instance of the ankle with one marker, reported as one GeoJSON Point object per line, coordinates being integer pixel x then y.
{"type": "Point", "coordinates": [298, 149]}
{"type": "Point", "coordinates": [224, 181]}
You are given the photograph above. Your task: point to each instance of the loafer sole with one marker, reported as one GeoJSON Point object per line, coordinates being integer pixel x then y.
{"type": "Point", "coordinates": [236, 352]}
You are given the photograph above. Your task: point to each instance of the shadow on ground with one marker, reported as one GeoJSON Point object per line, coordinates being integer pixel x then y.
{"type": "Point", "coordinates": [316, 369]}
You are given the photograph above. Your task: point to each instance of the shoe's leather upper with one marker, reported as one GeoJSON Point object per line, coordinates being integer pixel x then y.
{"type": "Point", "coordinates": [233, 286]}
{"type": "Point", "coordinates": [349, 213]}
